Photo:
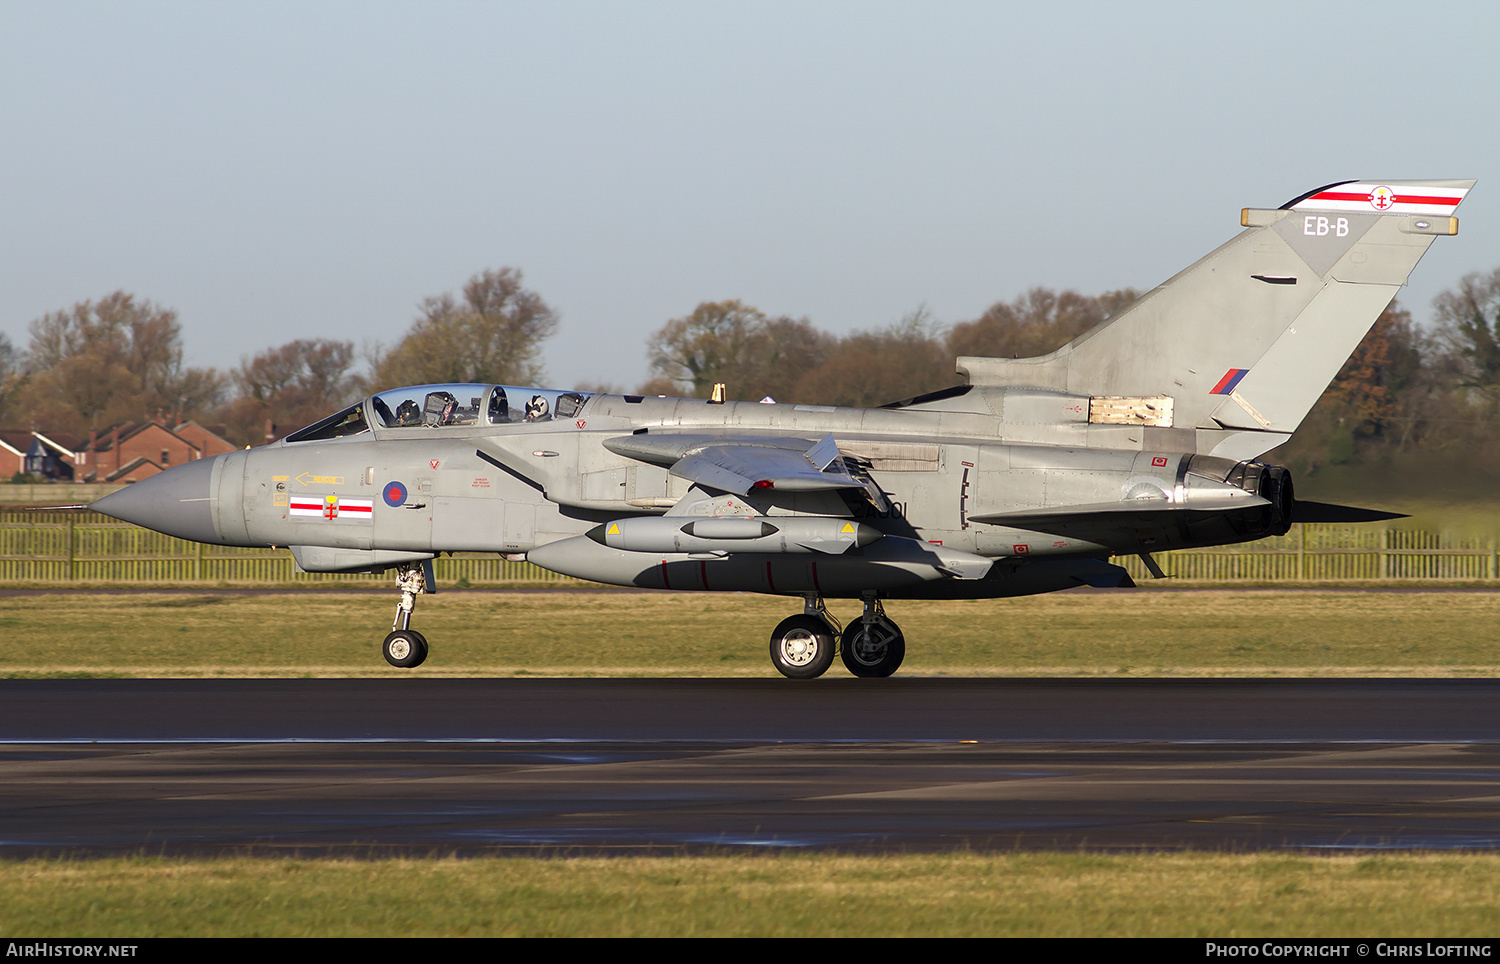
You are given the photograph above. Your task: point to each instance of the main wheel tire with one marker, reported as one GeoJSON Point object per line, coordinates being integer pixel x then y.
{"type": "Point", "coordinates": [802, 647]}
{"type": "Point", "coordinates": [405, 648]}
{"type": "Point", "coordinates": [873, 652]}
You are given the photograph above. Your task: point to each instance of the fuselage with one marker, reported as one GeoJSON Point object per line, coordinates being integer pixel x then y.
{"type": "Point", "coordinates": [371, 487]}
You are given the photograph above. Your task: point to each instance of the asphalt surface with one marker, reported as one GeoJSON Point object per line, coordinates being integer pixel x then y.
{"type": "Point", "coordinates": [545, 766]}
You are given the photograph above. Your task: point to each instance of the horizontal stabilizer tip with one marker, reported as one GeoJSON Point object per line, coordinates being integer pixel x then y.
{"type": "Point", "coordinates": [1329, 512]}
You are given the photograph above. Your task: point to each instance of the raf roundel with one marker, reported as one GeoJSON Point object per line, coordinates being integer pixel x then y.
{"type": "Point", "coordinates": [395, 494]}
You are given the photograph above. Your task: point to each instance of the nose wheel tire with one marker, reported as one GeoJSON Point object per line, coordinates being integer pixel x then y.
{"type": "Point", "coordinates": [875, 650]}
{"type": "Point", "coordinates": [405, 648]}
{"type": "Point", "coordinates": [802, 647]}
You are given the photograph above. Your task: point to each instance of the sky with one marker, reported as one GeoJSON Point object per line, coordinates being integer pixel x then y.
{"type": "Point", "coordinates": [276, 170]}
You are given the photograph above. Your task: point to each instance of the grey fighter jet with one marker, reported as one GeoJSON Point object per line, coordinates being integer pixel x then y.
{"type": "Point", "coordinates": [1139, 436]}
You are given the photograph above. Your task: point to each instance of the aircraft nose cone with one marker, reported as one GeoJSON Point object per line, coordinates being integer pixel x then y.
{"type": "Point", "coordinates": [179, 502]}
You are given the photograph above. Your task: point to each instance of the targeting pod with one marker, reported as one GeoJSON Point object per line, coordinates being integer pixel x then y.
{"type": "Point", "coordinates": [785, 534]}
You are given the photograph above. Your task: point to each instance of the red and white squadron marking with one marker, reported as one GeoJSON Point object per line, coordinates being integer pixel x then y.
{"type": "Point", "coordinates": [331, 508]}
{"type": "Point", "coordinates": [1371, 198]}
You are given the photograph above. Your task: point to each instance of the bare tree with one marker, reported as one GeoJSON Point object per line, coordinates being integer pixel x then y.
{"type": "Point", "coordinates": [12, 380]}
{"type": "Point", "coordinates": [786, 355]}
{"type": "Point", "coordinates": [739, 345]}
{"type": "Point", "coordinates": [712, 344]}
{"type": "Point", "coordinates": [113, 359]}
{"type": "Point", "coordinates": [1467, 323]}
{"type": "Point", "coordinates": [291, 386]}
{"type": "Point", "coordinates": [1380, 388]}
{"type": "Point", "coordinates": [869, 368]}
{"type": "Point", "coordinates": [1038, 322]}
{"type": "Point", "coordinates": [493, 334]}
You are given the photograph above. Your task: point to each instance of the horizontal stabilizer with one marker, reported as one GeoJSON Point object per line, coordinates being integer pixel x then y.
{"type": "Point", "coordinates": [1105, 576]}
{"type": "Point", "coordinates": [1143, 513]}
{"type": "Point", "coordinates": [1328, 512]}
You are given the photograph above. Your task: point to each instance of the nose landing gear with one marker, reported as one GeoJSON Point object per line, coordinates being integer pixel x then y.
{"type": "Point", "coordinates": [404, 646]}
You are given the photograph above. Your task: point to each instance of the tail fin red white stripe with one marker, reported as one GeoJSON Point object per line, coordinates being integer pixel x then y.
{"type": "Point", "coordinates": [1436, 198]}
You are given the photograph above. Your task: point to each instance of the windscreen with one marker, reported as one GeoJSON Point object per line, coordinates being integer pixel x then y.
{"type": "Point", "coordinates": [351, 421]}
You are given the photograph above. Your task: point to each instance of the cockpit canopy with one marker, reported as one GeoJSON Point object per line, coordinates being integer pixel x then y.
{"type": "Point", "coordinates": [458, 405]}
{"type": "Point", "coordinates": [437, 406]}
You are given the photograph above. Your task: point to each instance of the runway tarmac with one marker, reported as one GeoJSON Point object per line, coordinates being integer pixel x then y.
{"type": "Point", "coordinates": [589, 766]}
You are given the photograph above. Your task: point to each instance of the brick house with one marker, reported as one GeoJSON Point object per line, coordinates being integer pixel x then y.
{"type": "Point", "coordinates": [139, 450]}
{"type": "Point", "coordinates": [208, 442]}
{"type": "Point", "coordinates": [13, 447]}
{"type": "Point", "coordinates": [32, 453]}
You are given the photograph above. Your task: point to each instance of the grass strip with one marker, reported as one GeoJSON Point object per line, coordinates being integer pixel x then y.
{"type": "Point", "coordinates": [785, 895]}
{"type": "Point", "coordinates": [1223, 632]}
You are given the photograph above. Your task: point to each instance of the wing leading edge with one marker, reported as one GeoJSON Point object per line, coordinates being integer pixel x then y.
{"type": "Point", "coordinates": [742, 464]}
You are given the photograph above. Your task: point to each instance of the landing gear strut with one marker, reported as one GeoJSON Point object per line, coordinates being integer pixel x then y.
{"type": "Point", "coordinates": [405, 647]}
{"type": "Point", "coordinates": [802, 646]}
{"type": "Point", "coordinates": [873, 645]}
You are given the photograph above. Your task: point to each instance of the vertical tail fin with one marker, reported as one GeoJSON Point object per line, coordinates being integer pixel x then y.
{"type": "Point", "coordinates": [1251, 335]}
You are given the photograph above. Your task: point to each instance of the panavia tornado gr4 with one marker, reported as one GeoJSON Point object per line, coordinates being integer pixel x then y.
{"type": "Point", "coordinates": [1141, 435]}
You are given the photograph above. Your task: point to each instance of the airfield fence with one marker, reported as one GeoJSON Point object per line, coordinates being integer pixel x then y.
{"type": "Point", "coordinates": [1317, 552]}
{"type": "Point", "coordinates": [61, 547]}
{"type": "Point", "coordinates": [89, 547]}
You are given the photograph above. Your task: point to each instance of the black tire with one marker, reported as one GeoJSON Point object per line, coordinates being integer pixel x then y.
{"type": "Point", "coordinates": [405, 648]}
{"type": "Point", "coordinates": [802, 647]}
{"type": "Point", "coordinates": [874, 654]}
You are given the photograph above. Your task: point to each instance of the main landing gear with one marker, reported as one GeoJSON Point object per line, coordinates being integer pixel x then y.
{"type": "Point", "coordinates": [873, 645]}
{"type": "Point", "coordinates": [802, 647]}
{"type": "Point", "coordinates": [405, 647]}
